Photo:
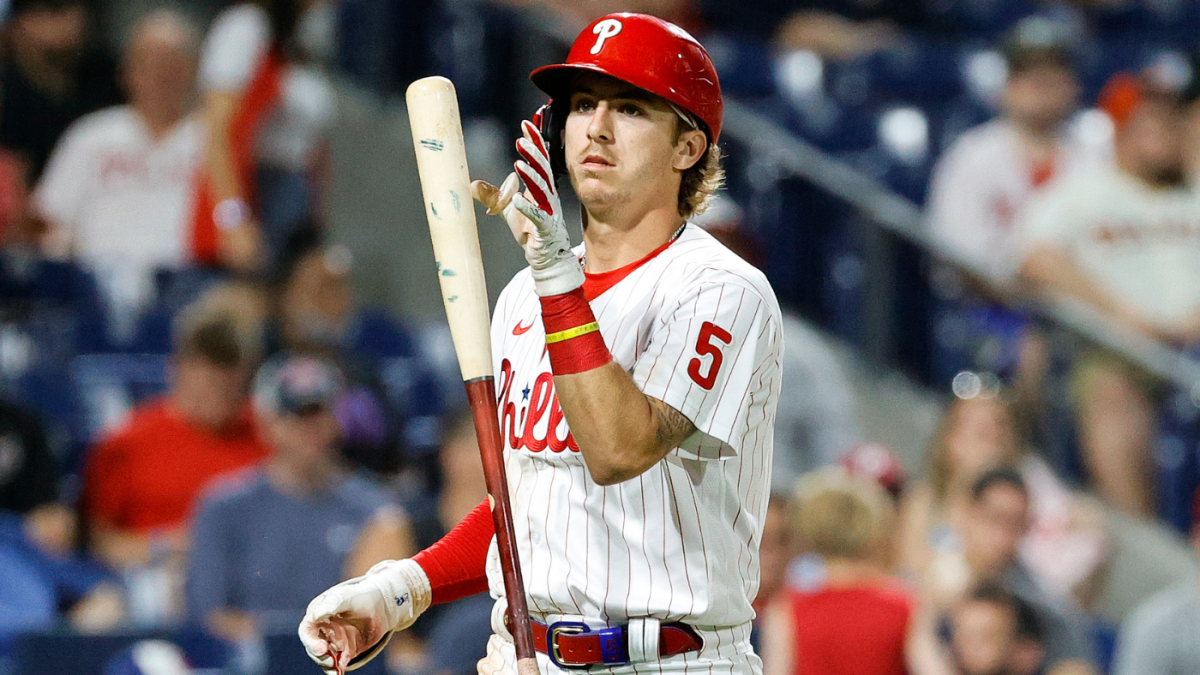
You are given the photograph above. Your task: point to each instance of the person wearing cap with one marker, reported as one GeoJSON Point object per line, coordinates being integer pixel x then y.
{"type": "Point", "coordinates": [1124, 239]}
{"type": "Point", "coordinates": [978, 188]}
{"type": "Point", "coordinates": [318, 313]}
{"type": "Point", "coordinates": [265, 541]}
{"type": "Point", "coordinates": [989, 173]}
{"type": "Point", "coordinates": [638, 379]}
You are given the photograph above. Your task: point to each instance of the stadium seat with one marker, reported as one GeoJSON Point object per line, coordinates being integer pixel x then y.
{"type": "Point", "coordinates": [1176, 469]}
{"type": "Point", "coordinates": [111, 384]}
{"type": "Point", "coordinates": [78, 654]}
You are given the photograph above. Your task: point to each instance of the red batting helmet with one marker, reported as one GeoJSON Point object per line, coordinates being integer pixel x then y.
{"type": "Point", "coordinates": [648, 53]}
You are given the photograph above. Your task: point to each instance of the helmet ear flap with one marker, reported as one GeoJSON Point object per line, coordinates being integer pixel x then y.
{"type": "Point", "coordinates": [551, 120]}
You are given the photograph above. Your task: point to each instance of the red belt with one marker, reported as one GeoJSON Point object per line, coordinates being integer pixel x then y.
{"type": "Point", "coordinates": [573, 645]}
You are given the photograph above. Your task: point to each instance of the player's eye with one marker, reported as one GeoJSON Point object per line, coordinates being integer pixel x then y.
{"type": "Point", "coordinates": [631, 109]}
{"type": "Point", "coordinates": [583, 105]}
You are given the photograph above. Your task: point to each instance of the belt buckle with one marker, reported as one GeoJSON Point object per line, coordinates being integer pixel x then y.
{"type": "Point", "coordinates": [564, 628]}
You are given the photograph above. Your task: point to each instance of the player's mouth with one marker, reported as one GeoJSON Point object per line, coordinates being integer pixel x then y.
{"type": "Point", "coordinates": [596, 162]}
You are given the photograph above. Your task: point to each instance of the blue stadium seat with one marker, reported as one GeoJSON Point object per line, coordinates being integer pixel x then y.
{"type": "Point", "coordinates": [1176, 469]}
{"type": "Point", "coordinates": [71, 653]}
{"type": "Point", "coordinates": [981, 19]}
{"type": "Point", "coordinates": [174, 290]}
{"type": "Point", "coordinates": [111, 384]}
{"type": "Point", "coordinates": [744, 66]}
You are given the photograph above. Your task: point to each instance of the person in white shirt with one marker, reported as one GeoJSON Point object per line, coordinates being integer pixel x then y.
{"type": "Point", "coordinates": [266, 105]}
{"type": "Point", "coordinates": [978, 188]}
{"type": "Point", "coordinates": [117, 190]}
{"type": "Point", "coordinates": [1124, 239]}
{"type": "Point", "coordinates": [990, 172]}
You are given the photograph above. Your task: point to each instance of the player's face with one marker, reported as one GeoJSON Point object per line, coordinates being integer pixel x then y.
{"type": "Point", "coordinates": [623, 146]}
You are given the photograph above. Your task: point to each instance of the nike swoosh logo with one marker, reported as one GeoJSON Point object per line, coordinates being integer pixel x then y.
{"type": "Point", "coordinates": [521, 330]}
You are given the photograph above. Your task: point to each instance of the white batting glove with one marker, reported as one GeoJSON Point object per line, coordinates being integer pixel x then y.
{"type": "Point", "coordinates": [349, 624]}
{"type": "Point", "coordinates": [536, 220]}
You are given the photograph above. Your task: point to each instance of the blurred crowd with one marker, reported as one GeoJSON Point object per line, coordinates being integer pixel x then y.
{"type": "Point", "coordinates": [203, 426]}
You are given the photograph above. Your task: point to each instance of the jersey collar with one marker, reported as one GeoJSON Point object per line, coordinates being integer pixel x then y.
{"type": "Point", "coordinates": [595, 285]}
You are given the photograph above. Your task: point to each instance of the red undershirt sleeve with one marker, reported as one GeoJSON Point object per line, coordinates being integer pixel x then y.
{"type": "Point", "coordinates": [456, 564]}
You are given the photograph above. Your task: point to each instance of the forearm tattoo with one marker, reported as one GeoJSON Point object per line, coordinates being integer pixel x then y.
{"type": "Point", "coordinates": [672, 426]}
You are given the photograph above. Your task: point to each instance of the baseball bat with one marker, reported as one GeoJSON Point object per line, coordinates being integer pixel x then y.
{"type": "Point", "coordinates": [445, 185]}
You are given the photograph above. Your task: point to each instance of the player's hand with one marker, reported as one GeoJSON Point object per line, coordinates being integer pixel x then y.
{"type": "Point", "coordinates": [349, 624]}
{"type": "Point", "coordinates": [535, 217]}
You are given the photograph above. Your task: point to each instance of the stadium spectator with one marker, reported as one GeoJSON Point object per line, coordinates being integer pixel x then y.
{"type": "Point", "coordinates": [267, 107]}
{"type": "Point", "coordinates": [993, 632]}
{"type": "Point", "coordinates": [244, 575]}
{"type": "Point", "coordinates": [980, 185]}
{"type": "Point", "coordinates": [141, 481]}
{"type": "Point", "coordinates": [117, 190]}
{"type": "Point", "coordinates": [775, 554]}
{"type": "Point", "coordinates": [857, 619]}
{"type": "Point", "coordinates": [38, 586]}
{"type": "Point", "coordinates": [52, 74]}
{"type": "Point", "coordinates": [1066, 544]}
{"type": "Point", "coordinates": [985, 178]}
{"type": "Point", "coordinates": [833, 29]}
{"type": "Point", "coordinates": [317, 313]}
{"type": "Point", "coordinates": [29, 481]}
{"type": "Point", "coordinates": [1122, 239]}
{"type": "Point", "coordinates": [1159, 637]}
{"type": "Point", "coordinates": [993, 524]}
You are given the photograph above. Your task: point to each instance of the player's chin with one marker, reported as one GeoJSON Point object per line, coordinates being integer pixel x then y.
{"type": "Point", "coordinates": [590, 185]}
{"type": "Point", "coordinates": [592, 194]}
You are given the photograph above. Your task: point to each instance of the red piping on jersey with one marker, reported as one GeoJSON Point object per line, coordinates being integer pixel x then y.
{"type": "Point", "coordinates": [594, 285]}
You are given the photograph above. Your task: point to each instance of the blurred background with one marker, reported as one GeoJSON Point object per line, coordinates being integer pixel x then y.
{"type": "Point", "coordinates": [227, 383]}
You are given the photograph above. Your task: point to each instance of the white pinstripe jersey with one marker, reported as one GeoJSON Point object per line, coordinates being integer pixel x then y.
{"type": "Point", "coordinates": [698, 328]}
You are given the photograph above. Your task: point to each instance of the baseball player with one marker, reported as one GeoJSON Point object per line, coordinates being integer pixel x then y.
{"type": "Point", "coordinates": [638, 380]}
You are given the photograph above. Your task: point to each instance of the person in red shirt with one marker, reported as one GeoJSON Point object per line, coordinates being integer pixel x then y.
{"type": "Point", "coordinates": [141, 482]}
{"type": "Point", "coordinates": [856, 619]}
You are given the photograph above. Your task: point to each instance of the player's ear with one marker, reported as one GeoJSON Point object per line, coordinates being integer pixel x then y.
{"type": "Point", "coordinates": [689, 149]}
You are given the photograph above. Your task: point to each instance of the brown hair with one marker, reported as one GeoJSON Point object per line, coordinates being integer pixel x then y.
{"type": "Point", "coordinates": [940, 471]}
{"type": "Point", "coordinates": [701, 180]}
{"type": "Point", "coordinates": [839, 516]}
{"type": "Point", "coordinates": [224, 326]}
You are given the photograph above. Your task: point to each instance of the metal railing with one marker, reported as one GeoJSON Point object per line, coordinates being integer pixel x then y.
{"type": "Point", "coordinates": [900, 216]}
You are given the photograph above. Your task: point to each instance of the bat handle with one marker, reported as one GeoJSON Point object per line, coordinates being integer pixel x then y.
{"type": "Point", "coordinates": [481, 394]}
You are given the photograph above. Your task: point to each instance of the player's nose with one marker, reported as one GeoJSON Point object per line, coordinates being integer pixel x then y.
{"type": "Point", "coordinates": [600, 125]}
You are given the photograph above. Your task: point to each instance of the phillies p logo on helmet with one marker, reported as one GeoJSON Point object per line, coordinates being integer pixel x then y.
{"type": "Point", "coordinates": [604, 30]}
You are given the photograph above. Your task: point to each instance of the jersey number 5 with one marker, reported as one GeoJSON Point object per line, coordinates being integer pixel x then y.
{"type": "Point", "coordinates": [705, 347]}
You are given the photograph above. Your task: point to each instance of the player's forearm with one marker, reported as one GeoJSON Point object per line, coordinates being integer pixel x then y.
{"type": "Point", "coordinates": [613, 423]}
{"type": "Point", "coordinates": [457, 564]}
